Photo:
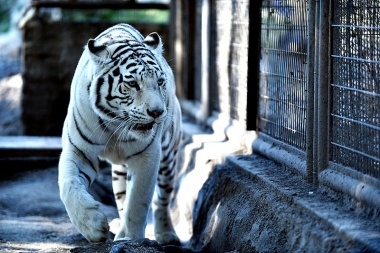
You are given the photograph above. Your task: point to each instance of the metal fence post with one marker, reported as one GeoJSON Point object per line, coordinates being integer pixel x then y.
{"type": "Point", "coordinates": [323, 83]}
{"type": "Point", "coordinates": [310, 92]}
{"type": "Point", "coordinates": [314, 172]}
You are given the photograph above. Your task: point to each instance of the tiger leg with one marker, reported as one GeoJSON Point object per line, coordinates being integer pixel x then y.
{"type": "Point", "coordinates": [74, 176]}
{"type": "Point", "coordinates": [163, 227]}
{"type": "Point", "coordinates": [119, 184]}
{"type": "Point", "coordinates": [142, 173]}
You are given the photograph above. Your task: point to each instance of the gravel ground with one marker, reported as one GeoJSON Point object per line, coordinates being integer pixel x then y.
{"type": "Point", "coordinates": [33, 219]}
{"type": "Point", "coordinates": [32, 216]}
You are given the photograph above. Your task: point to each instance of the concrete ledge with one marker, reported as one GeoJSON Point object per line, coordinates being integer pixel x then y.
{"type": "Point", "coordinates": [356, 189]}
{"type": "Point", "coordinates": [281, 153]}
{"type": "Point", "coordinates": [23, 153]}
{"type": "Point", "coordinates": [29, 146]}
{"type": "Point", "coordinates": [249, 204]}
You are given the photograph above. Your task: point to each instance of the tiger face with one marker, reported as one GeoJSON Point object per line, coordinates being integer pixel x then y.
{"type": "Point", "coordinates": [129, 86]}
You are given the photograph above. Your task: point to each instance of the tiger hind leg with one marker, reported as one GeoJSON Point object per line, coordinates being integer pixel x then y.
{"type": "Point", "coordinates": [163, 227]}
{"type": "Point", "coordinates": [119, 185]}
{"type": "Point", "coordinates": [119, 181]}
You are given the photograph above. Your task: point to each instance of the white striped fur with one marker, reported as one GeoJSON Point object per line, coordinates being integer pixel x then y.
{"type": "Point", "coordinates": [122, 109]}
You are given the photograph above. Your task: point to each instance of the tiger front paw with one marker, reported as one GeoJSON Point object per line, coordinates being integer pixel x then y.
{"type": "Point", "coordinates": [91, 222]}
{"type": "Point", "coordinates": [168, 237]}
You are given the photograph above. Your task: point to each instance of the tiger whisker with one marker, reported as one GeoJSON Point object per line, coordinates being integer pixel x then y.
{"type": "Point", "coordinates": [124, 128]}
{"type": "Point", "coordinates": [105, 124]}
{"type": "Point", "coordinates": [119, 116]}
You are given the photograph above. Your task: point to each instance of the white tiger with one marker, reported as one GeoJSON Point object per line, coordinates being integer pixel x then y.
{"type": "Point", "coordinates": [123, 109]}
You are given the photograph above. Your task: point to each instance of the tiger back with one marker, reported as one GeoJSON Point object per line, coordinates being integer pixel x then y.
{"type": "Point", "coordinates": [122, 109]}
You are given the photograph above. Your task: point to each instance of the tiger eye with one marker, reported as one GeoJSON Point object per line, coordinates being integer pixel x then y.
{"type": "Point", "coordinates": [134, 84]}
{"type": "Point", "coordinates": [160, 81]}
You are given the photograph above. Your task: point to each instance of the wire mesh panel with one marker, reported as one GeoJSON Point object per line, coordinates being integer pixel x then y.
{"type": "Point", "coordinates": [356, 85]}
{"type": "Point", "coordinates": [282, 100]}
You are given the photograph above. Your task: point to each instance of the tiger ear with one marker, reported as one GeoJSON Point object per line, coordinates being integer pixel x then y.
{"type": "Point", "coordinates": [154, 42]}
{"type": "Point", "coordinates": [98, 51]}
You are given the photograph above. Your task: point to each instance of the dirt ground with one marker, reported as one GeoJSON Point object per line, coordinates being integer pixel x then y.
{"type": "Point", "coordinates": [32, 217]}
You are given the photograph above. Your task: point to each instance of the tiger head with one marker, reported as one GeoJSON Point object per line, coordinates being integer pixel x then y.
{"type": "Point", "coordinates": [128, 88]}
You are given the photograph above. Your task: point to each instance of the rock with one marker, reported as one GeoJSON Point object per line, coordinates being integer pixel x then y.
{"type": "Point", "coordinates": [134, 246]}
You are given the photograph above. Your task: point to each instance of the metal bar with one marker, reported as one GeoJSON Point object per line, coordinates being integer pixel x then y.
{"type": "Point", "coordinates": [282, 126]}
{"type": "Point", "coordinates": [355, 59]}
{"type": "Point", "coordinates": [356, 90]}
{"type": "Point", "coordinates": [284, 51]}
{"type": "Point", "coordinates": [357, 121]}
{"type": "Point", "coordinates": [357, 152]}
{"type": "Point", "coordinates": [280, 75]}
{"type": "Point", "coordinates": [357, 26]}
{"type": "Point", "coordinates": [280, 27]}
{"type": "Point", "coordinates": [282, 101]}
{"type": "Point", "coordinates": [98, 5]}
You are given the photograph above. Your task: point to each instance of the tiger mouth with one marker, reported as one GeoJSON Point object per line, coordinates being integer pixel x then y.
{"type": "Point", "coordinates": [144, 127]}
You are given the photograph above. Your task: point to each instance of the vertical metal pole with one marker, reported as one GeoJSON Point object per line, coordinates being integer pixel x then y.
{"type": "Point", "coordinates": [310, 91]}
{"type": "Point", "coordinates": [314, 174]}
{"type": "Point", "coordinates": [176, 39]}
{"type": "Point", "coordinates": [253, 75]}
{"type": "Point", "coordinates": [323, 84]}
{"type": "Point", "coordinates": [205, 39]}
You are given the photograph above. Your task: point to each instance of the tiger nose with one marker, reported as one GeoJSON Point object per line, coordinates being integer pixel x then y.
{"type": "Point", "coordinates": [155, 113]}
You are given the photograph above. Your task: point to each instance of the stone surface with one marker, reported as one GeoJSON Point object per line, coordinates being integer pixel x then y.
{"type": "Point", "coordinates": [249, 204]}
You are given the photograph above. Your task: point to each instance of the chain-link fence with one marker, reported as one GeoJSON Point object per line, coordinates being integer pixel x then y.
{"type": "Point", "coordinates": [356, 85]}
{"type": "Point", "coordinates": [282, 100]}
{"type": "Point", "coordinates": [352, 58]}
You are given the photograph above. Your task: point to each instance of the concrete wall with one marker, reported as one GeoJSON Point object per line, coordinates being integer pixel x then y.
{"type": "Point", "coordinates": [211, 45]}
{"type": "Point", "coordinates": [249, 203]}
{"type": "Point", "coordinates": [229, 57]}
